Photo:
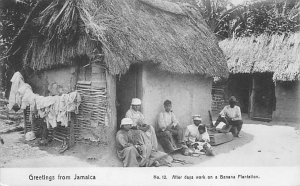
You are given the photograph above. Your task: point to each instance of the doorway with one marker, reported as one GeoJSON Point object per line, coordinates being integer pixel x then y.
{"type": "Point", "coordinates": [128, 87]}
{"type": "Point", "coordinates": [263, 100]}
{"type": "Point", "coordinates": [239, 85]}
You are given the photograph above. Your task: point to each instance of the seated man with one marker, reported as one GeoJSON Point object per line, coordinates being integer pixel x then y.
{"type": "Point", "coordinates": [197, 138]}
{"type": "Point", "coordinates": [192, 134]}
{"type": "Point", "coordinates": [139, 123]}
{"type": "Point", "coordinates": [232, 117]}
{"type": "Point", "coordinates": [169, 132]}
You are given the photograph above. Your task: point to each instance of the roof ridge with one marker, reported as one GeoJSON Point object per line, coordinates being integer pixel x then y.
{"type": "Point", "coordinates": [166, 6]}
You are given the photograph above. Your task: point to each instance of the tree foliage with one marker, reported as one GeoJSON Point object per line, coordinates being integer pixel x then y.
{"type": "Point", "coordinates": [12, 16]}
{"type": "Point", "coordinates": [252, 18]}
{"type": "Point", "coordinates": [212, 10]}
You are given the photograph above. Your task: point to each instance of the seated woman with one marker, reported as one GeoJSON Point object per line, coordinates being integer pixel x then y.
{"type": "Point", "coordinates": [232, 117]}
{"type": "Point", "coordinates": [139, 122]}
{"type": "Point", "coordinates": [169, 132]}
{"type": "Point", "coordinates": [196, 138]}
{"type": "Point", "coordinates": [132, 149]}
{"type": "Point", "coordinates": [129, 152]}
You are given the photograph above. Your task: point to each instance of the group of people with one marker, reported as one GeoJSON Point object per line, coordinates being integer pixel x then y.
{"type": "Point", "coordinates": [137, 141]}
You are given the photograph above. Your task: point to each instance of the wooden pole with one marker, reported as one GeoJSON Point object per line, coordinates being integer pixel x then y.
{"type": "Point", "coordinates": [72, 132]}
{"type": "Point", "coordinates": [210, 119]}
{"type": "Point", "coordinates": [25, 127]}
{"type": "Point", "coordinates": [252, 99]}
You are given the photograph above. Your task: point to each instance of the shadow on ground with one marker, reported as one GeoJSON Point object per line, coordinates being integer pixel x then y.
{"type": "Point", "coordinates": [100, 156]}
{"type": "Point", "coordinates": [95, 154]}
{"type": "Point", "coordinates": [219, 149]}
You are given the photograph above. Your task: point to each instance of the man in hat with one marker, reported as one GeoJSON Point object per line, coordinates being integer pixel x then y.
{"type": "Point", "coordinates": [139, 122]}
{"type": "Point", "coordinates": [192, 133]}
{"type": "Point", "coordinates": [169, 132]}
{"type": "Point", "coordinates": [232, 117]}
{"type": "Point", "coordinates": [196, 137]}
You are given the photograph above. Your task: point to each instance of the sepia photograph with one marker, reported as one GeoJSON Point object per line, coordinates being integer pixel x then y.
{"type": "Point", "coordinates": [150, 92]}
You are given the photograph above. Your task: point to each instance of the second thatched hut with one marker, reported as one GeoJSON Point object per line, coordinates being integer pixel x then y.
{"type": "Point", "coordinates": [265, 74]}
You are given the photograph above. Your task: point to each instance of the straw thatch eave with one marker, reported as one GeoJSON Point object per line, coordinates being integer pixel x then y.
{"type": "Point", "coordinates": [278, 54]}
{"type": "Point", "coordinates": [124, 32]}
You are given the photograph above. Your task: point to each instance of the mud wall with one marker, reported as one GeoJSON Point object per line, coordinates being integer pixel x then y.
{"type": "Point", "coordinates": [190, 94]}
{"type": "Point", "coordinates": [287, 101]}
{"type": "Point", "coordinates": [54, 81]}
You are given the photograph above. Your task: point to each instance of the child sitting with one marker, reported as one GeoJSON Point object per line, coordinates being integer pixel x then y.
{"type": "Point", "coordinates": [196, 138]}
{"type": "Point", "coordinates": [203, 144]}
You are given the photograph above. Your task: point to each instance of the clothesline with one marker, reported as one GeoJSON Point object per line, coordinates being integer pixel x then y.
{"type": "Point", "coordinates": [54, 109]}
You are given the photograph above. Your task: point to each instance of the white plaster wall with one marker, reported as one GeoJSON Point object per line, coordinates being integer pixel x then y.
{"type": "Point", "coordinates": [190, 94]}
{"type": "Point", "coordinates": [112, 112]}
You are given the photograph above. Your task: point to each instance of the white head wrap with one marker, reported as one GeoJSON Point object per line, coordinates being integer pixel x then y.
{"type": "Point", "coordinates": [126, 121]}
{"type": "Point", "coordinates": [197, 117]}
{"type": "Point", "coordinates": [136, 101]}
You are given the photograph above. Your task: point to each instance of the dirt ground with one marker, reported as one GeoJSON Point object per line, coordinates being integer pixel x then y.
{"type": "Point", "coordinates": [270, 146]}
{"type": "Point", "coordinates": [261, 144]}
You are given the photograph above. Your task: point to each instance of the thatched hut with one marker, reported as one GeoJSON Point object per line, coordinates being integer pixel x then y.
{"type": "Point", "coordinates": [114, 50]}
{"type": "Point", "coordinates": [265, 73]}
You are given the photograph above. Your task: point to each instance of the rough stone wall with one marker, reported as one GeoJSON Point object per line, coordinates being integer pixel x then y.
{"type": "Point", "coordinates": [218, 99]}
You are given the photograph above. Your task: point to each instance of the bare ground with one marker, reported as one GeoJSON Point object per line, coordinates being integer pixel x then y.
{"type": "Point", "coordinates": [261, 144]}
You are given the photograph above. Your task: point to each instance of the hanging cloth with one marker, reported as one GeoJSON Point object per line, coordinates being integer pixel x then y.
{"type": "Point", "coordinates": [17, 81]}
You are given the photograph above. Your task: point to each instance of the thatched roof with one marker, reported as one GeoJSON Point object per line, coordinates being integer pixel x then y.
{"type": "Point", "coordinates": [172, 35]}
{"type": "Point", "coordinates": [278, 54]}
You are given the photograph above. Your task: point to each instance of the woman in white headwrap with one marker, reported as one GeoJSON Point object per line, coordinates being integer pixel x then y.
{"type": "Point", "coordinates": [139, 122]}
{"type": "Point", "coordinates": [127, 150]}
{"type": "Point", "coordinates": [133, 149]}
